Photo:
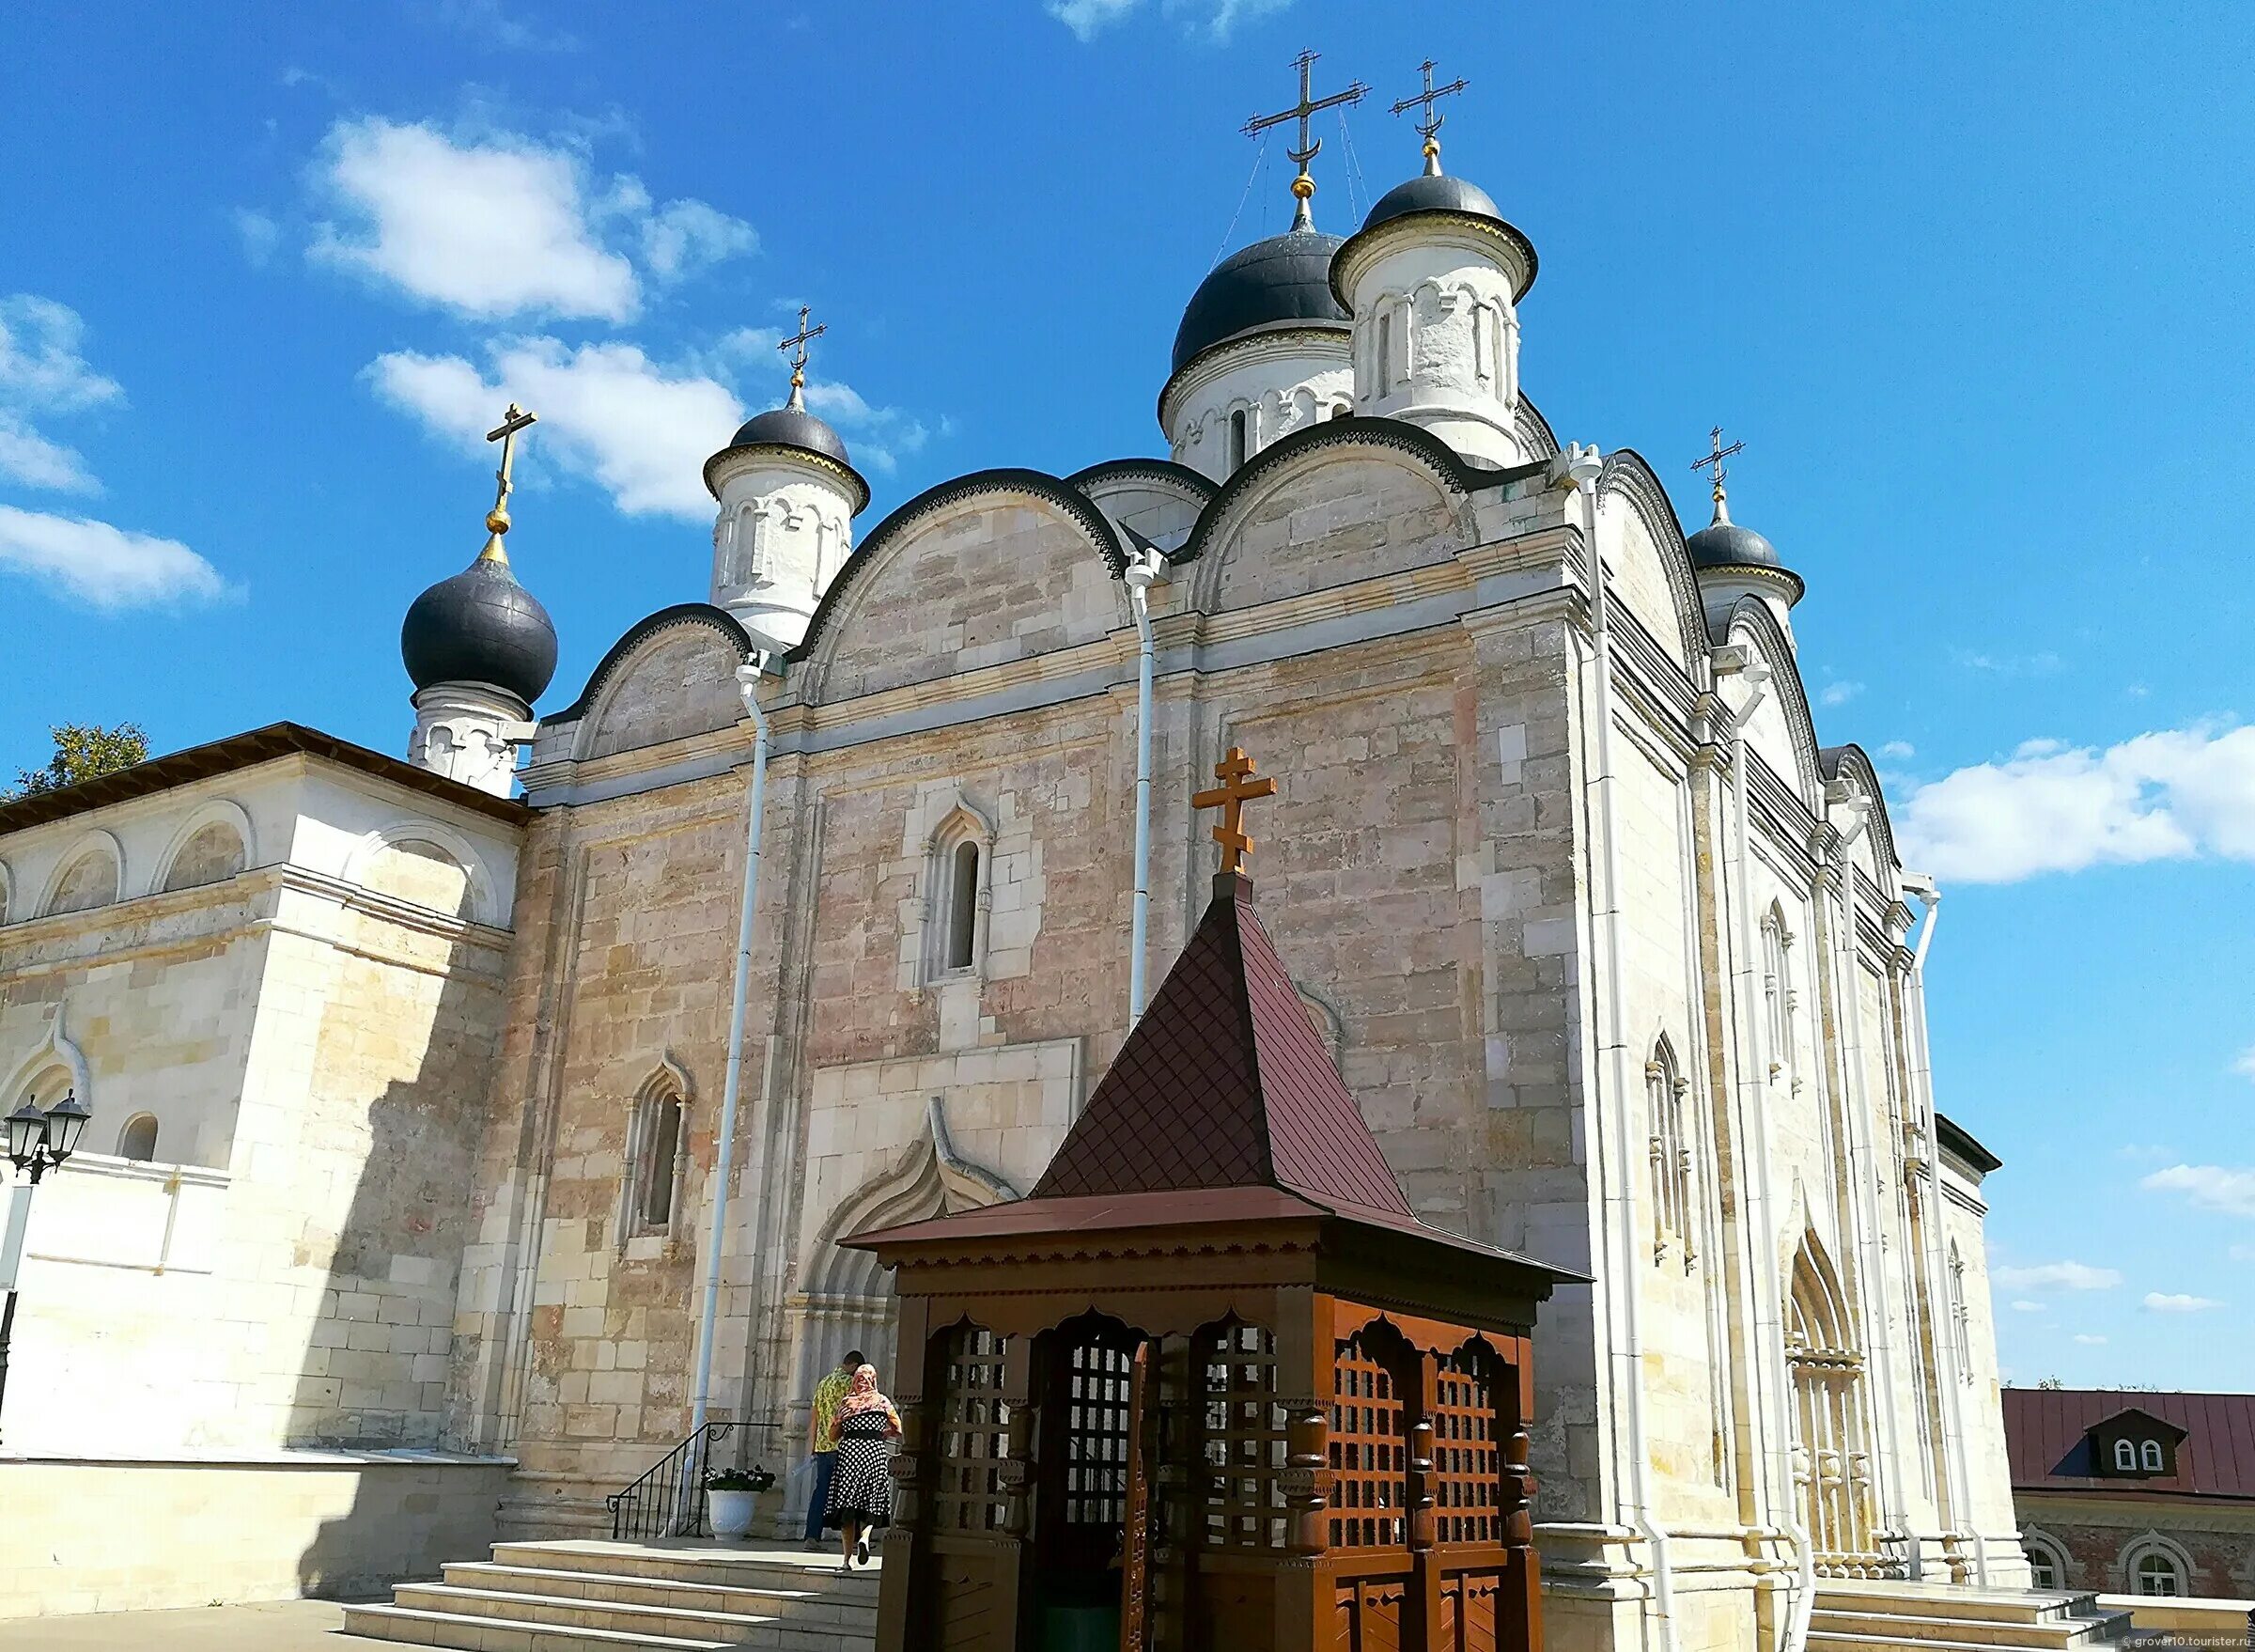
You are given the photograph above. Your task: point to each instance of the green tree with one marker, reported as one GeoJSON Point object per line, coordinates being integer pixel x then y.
{"type": "Point", "coordinates": [81, 752]}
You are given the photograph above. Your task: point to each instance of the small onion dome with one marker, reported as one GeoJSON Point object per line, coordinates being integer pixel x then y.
{"type": "Point", "coordinates": [1725, 544]}
{"type": "Point", "coordinates": [1436, 191]}
{"type": "Point", "coordinates": [792, 426]}
{"type": "Point", "coordinates": [480, 626]}
{"type": "Point", "coordinates": [1283, 282]}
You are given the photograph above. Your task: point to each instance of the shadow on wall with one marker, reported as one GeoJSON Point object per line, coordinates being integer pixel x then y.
{"type": "Point", "coordinates": [394, 1111]}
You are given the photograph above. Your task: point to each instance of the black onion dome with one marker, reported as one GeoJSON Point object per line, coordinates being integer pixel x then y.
{"type": "Point", "coordinates": [1283, 280]}
{"type": "Point", "coordinates": [1725, 544]}
{"type": "Point", "coordinates": [480, 626]}
{"type": "Point", "coordinates": [1434, 191]}
{"type": "Point", "coordinates": [791, 427]}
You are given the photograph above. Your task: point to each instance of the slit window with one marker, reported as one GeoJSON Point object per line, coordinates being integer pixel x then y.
{"type": "Point", "coordinates": [1237, 438]}
{"type": "Point", "coordinates": [963, 900]}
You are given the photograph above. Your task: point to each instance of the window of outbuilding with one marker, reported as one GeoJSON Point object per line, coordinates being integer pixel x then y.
{"type": "Point", "coordinates": [2125, 1456]}
{"type": "Point", "coordinates": [2158, 1572]}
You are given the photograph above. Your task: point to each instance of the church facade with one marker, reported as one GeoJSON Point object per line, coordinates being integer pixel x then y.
{"type": "Point", "coordinates": [1613, 952]}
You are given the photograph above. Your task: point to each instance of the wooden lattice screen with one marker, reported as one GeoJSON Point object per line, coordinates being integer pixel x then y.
{"type": "Point", "coordinates": [1370, 1454]}
{"type": "Point", "coordinates": [1099, 1380]}
{"type": "Point", "coordinates": [974, 1422]}
{"type": "Point", "coordinates": [1467, 1447]}
{"type": "Point", "coordinates": [1241, 1438]}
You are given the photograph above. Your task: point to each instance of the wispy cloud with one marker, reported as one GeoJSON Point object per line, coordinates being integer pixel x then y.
{"type": "Point", "coordinates": [44, 373]}
{"type": "Point", "coordinates": [2244, 1063]}
{"type": "Point", "coordinates": [101, 566]}
{"type": "Point", "coordinates": [1087, 19]}
{"type": "Point", "coordinates": [2025, 1306]}
{"type": "Point", "coordinates": [2056, 1276]}
{"type": "Point", "coordinates": [2209, 1186]}
{"type": "Point", "coordinates": [2089, 1341]}
{"type": "Point", "coordinates": [2178, 1303]}
{"type": "Point", "coordinates": [1838, 693]}
{"type": "Point", "coordinates": [878, 435]}
{"type": "Point", "coordinates": [485, 22]}
{"type": "Point", "coordinates": [2042, 663]}
{"type": "Point", "coordinates": [2145, 1150]}
{"type": "Point", "coordinates": [500, 225]}
{"type": "Point", "coordinates": [1898, 751]}
{"type": "Point", "coordinates": [259, 235]}
{"type": "Point", "coordinates": [2174, 794]}
{"type": "Point", "coordinates": [1210, 19]}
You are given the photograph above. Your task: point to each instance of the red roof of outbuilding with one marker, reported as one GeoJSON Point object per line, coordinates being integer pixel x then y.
{"type": "Point", "coordinates": [2046, 1434]}
{"type": "Point", "coordinates": [1229, 1029]}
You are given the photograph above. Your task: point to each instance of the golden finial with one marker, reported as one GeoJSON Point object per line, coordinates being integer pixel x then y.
{"type": "Point", "coordinates": [1429, 123]}
{"type": "Point", "coordinates": [1304, 186]}
{"type": "Point", "coordinates": [497, 520]}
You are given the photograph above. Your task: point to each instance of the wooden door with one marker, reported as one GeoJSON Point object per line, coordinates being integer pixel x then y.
{"type": "Point", "coordinates": [1135, 1546]}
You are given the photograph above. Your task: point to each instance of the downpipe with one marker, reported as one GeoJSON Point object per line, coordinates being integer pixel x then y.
{"type": "Point", "coordinates": [1754, 1089]}
{"type": "Point", "coordinates": [748, 678]}
{"type": "Point", "coordinates": [1581, 465]}
{"type": "Point", "coordinates": [1140, 575]}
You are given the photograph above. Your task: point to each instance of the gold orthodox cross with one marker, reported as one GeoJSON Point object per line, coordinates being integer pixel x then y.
{"type": "Point", "coordinates": [799, 342]}
{"type": "Point", "coordinates": [1429, 123]}
{"type": "Point", "coordinates": [1304, 186]}
{"type": "Point", "coordinates": [1717, 454]}
{"type": "Point", "coordinates": [1235, 772]}
{"type": "Point", "coordinates": [497, 520]}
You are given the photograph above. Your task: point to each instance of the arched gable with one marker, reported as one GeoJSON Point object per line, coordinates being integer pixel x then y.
{"type": "Point", "coordinates": [1652, 566]}
{"type": "Point", "coordinates": [89, 874]}
{"type": "Point", "coordinates": [1783, 730]}
{"type": "Point", "coordinates": [671, 676]}
{"type": "Point", "coordinates": [1156, 498]}
{"type": "Point", "coordinates": [927, 1177]}
{"type": "Point", "coordinates": [998, 566]}
{"type": "Point", "coordinates": [1849, 765]}
{"type": "Point", "coordinates": [1533, 431]}
{"type": "Point", "coordinates": [1341, 501]}
{"type": "Point", "coordinates": [197, 854]}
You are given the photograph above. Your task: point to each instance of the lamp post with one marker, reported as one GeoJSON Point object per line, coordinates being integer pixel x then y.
{"type": "Point", "coordinates": [37, 1143]}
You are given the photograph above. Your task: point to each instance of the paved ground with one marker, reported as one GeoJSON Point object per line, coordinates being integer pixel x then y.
{"type": "Point", "coordinates": [270, 1626]}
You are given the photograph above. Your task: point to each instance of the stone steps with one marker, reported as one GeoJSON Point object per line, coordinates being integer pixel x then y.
{"type": "Point", "coordinates": [585, 1596]}
{"type": "Point", "coordinates": [1862, 1617]}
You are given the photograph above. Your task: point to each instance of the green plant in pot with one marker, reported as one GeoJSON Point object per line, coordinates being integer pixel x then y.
{"type": "Point", "coordinates": [732, 1499]}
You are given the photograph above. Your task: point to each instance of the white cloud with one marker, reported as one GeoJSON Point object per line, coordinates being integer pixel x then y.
{"type": "Point", "coordinates": [1087, 18]}
{"type": "Point", "coordinates": [2145, 1150]}
{"type": "Point", "coordinates": [2089, 1341]}
{"type": "Point", "coordinates": [484, 21]}
{"type": "Point", "coordinates": [877, 436]}
{"type": "Point", "coordinates": [259, 234]}
{"type": "Point", "coordinates": [2174, 794]}
{"type": "Point", "coordinates": [42, 372]}
{"type": "Point", "coordinates": [2178, 1303]}
{"type": "Point", "coordinates": [2028, 1307]}
{"type": "Point", "coordinates": [101, 566]}
{"type": "Point", "coordinates": [2056, 1276]}
{"type": "Point", "coordinates": [1838, 693]}
{"type": "Point", "coordinates": [500, 224]}
{"type": "Point", "coordinates": [2244, 1063]}
{"type": "Point", "coordinates": [1898, 751]}
{"type": "Point", "coordinates": [608, 414]}
{"type": "Point", "coordinates": [2209, 1186]}
{"type": "Point", "coordinates": [2038, 664]}
{"type": "Point", "coordinates": [2242, 1253]}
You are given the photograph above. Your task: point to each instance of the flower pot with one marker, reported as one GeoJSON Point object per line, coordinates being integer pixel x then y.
{"type": "Point", "coordinates": [731, 1513]}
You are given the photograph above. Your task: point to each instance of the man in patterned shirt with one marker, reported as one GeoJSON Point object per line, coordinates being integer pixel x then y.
{"type": "Point", "coordinates": [830, 1395]}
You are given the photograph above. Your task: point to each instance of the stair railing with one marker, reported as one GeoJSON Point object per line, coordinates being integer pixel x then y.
{"type": "Point", "coordinates": [668, 1499]}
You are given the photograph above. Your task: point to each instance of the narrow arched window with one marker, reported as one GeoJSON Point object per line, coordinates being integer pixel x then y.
{"type": "Point", "coordinates": [138, 1138]}
{"type": "Point", "coordinates": [963, 903]}
{"type": "Point", "coordinates": [2159, 1573]}
{"type": "Point", "coordinates": [2125, 1457]}
{"type": "Point", "coordinates": [1670, 1159]}
{"type": "Point", "coordinates": [2149, 1456]}
{"type": "Point", "coordinates": [1776, 992]}
{"type": "Point", "coordinates": [655, 1144]}
{"type": "Point", "coordinates": [1237, 438]}
{"type": "Point", "coordinates": [2043, 1569]}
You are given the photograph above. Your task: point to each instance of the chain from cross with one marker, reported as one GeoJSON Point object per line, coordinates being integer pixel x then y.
{"type": "Point", "coordinates": [1717, 454]}
{"type": "Point", "coordinates": [1304, 186]}
{"type": "Point", "coordinates": [799, 342]}
{"type": "Point", "coordinates": [1429, 124]}
{"type": "Point", "coordinates": [1235, 772]}
{"type": "Point", "coordinates": [516, 419]}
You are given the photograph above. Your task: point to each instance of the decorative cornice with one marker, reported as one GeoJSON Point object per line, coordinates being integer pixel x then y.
{"type": "Point", "coordinates": [1516, 248]}
{"type": "Point", "coordinates": [1207, 362]}
{"type": "Point", "coordinates": [806, 456]}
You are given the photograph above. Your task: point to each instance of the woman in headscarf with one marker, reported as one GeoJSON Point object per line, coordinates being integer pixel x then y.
{"type": "Point", "coordinates": [861, 1486]}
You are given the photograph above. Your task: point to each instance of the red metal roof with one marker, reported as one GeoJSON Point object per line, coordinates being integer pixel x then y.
{"type": "Point", "coordinates": [1225, 1082]}
{"type": "Point", "coordinates": [2047, 1436]}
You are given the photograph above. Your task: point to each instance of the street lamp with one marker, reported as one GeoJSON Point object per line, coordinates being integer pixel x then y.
{"type": "Point", "coordinates": [37, 1143]}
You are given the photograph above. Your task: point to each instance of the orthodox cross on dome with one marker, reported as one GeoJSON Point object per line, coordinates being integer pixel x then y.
{"type": "Point", "coordinates": [1304, 186]}
{"type": "Point", "coordinates": [799, 342]}
{"type": "Point", "coordinates": [1717, 454]}
{"type": "Point", "coordinates": [1429, 123]}
{"type": "Point", "coordinates": [497, 520]}
{"type": "Point", "coordinates": [1235, 772]}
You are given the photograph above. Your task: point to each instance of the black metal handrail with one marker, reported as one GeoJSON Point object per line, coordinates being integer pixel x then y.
{"type": "Point", "coordinates": [668, 1499]}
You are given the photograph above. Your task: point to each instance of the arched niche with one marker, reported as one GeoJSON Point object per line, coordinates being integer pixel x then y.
{"type": "Point", "coordinates": [90, 874]}
{"type": "Point", "coordinates": [212, 844]}
{"type": "Point", "coordinates": [425, 865]}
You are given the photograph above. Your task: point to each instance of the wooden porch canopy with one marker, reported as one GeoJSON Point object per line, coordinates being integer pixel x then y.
{"type": "Point", "coordinates": [1212, 1384]}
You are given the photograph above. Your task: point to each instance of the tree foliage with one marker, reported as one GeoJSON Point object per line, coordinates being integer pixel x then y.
{"type": "Point", "coordinates": [83, 751]}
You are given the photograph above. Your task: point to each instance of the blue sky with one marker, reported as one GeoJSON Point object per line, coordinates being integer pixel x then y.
{"type": "Point", "coordinates": [1971, 284]}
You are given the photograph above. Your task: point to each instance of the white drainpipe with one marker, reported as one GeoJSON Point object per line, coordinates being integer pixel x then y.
{"type": "Point", "coordinates": [1940, 1326]}
{"type": "Point", "coordinates": [1754, 1089]}
{"type": "Point", "coordinates": [1582, 467]}
{"type": "Point", "coordinates": [1140, 575]}
{"type": "Point", "coordinates": [1863, 1163]}
{"type": "Point", "coordinates": [747, 681]}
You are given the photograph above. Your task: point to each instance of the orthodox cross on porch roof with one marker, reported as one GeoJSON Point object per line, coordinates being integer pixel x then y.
{"type": "Point", "coordinates": [497, 520]}
{"type": "Point", "coordinates": [1429, 123]}
{"type": "Point", "coordinates": [1303, 187]}
{"type": "Point", "coordinates": [1715, 455]}
{"type": "Point", "coordinates": [799, 342]}
{"type": "Point", "coordinates": [1235, 771]}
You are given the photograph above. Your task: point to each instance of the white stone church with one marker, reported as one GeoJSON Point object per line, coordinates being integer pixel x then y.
{"type": "Point", "coordinates": [392, 1226]}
